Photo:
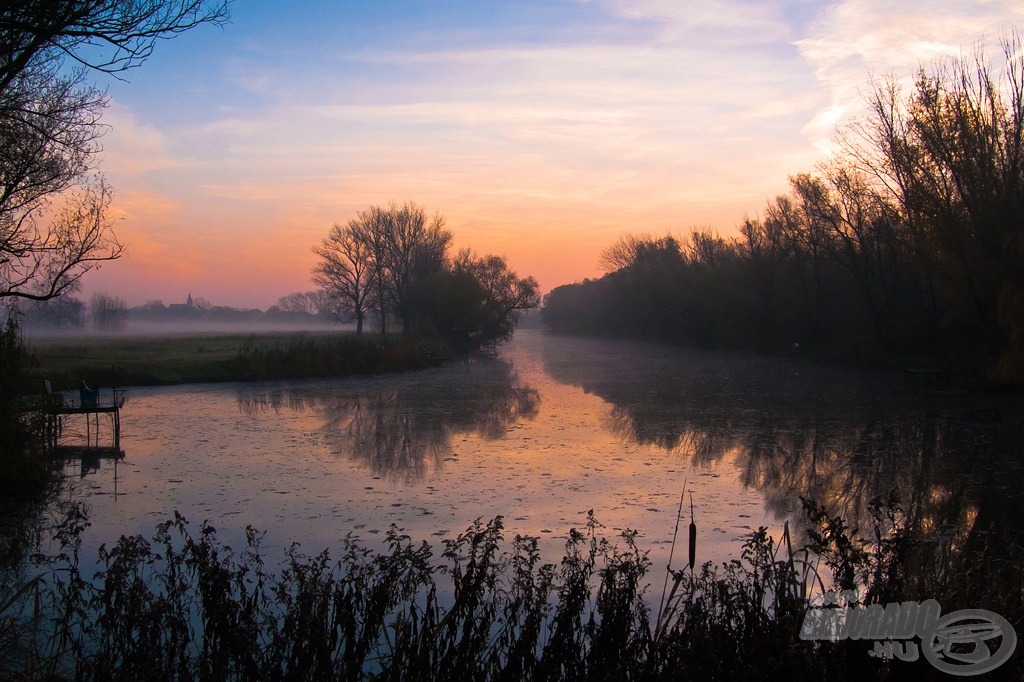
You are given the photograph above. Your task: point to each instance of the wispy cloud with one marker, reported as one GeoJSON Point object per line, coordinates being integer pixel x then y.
{"type": "Point", "coordinates": [853, 40]}
{"type": "Point", "coordinates": [650, 115]}
{"type": "Point", "coordinates": [710, 21]}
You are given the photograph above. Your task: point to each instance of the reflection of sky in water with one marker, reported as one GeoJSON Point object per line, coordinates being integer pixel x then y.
{"type": "Point", "coordinates": [282, 457]}
{"type": "Point", "coordinates": [560, 427]}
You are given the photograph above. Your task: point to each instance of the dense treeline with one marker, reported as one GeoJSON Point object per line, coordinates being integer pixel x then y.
{"type": "Point", "coordinates": [907, 246]}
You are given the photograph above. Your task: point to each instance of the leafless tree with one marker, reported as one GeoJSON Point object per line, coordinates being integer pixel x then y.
{"type": "Point", "coordinates": [347, 271]}
{"type": "Point", "coordinates": [53, 213]}
{"type": "Point", "coordinates": [951, 155]}
{"type": "Point", "coordinates": [623, 253]}
{"type": "Point", "coordinates": [109, 313]}
{"type": "Point", "coordinates": [54, 225]}
{"type": "Point", "coordinates": [103, 35]}
{"type": "Point", "coordinates": [416, 248]}
{"type": "Point", "coordinates": [379, 259]}
{"type": "Point", "coordinates": [309, 302]}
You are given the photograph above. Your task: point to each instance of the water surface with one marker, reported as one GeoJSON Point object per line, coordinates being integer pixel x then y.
{"type": "Point", "coordinates": [546, 431]}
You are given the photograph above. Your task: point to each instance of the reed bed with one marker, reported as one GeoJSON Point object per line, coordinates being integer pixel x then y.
{"type": "Point", "coordinates": [308, 357]}
{"type": "Point", "coordinates": [182, 605]}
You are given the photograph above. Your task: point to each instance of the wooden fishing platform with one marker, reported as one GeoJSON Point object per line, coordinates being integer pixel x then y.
{"type": "Point", "coordinates": [57, 406]}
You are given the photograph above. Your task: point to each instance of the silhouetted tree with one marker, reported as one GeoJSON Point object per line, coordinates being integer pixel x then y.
{"type": "Point", "coordinates": [623, 253]}
{"type": "Point", "coordinates": [865, 235]}
{"type": "Point", "coordinates": [951, 156]}
{"type": "Point", "coordinates": [53, 212]}
{"type": "Point", "coordinates": [416, 249]}
{"type": "Point", "coordinates": [396, 261]}
{"type": "Point", "coordinates": [105, 35]}
{"type": "Point", "coordinates": [477, 301]}
{"type": "Point", "coordinates": [380, 259]}
{"type": "Point", "coordinates": [372, 230]}
{"type": "Point", "coordinates": [348, 272]}
{"type": "Point", "coordinates": [505, 296]}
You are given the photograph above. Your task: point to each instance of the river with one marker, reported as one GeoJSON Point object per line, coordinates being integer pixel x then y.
{"type": "Point", "coordinates": [548, 429]}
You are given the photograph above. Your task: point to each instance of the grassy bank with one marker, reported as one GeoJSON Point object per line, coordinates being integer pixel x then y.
{"type": "Point", "coordinates": [201, 358]}
{"type": "Point", "coordinates": [184, 606]}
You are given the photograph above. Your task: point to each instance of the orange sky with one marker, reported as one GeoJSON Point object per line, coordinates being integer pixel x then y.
{"type": "Point", "coordinates": [541, 129]}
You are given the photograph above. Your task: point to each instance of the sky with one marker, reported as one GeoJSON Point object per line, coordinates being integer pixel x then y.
{"type": "Point", "coordinates": [542, 130]}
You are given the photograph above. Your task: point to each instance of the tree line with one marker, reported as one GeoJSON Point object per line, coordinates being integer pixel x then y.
{"type": "Point", "coordinates": [108, 312]}
{"type": "Point", "coordinates": [392, 266]}
{"type": "Point", "coordinates": [906, 246]}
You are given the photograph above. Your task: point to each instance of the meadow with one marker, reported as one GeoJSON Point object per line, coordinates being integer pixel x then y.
{"type": "Point", "coordinates": [107, 361]}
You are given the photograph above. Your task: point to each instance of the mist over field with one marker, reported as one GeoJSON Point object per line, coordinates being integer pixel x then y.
{"type": "Point", "coordinates": [191, 328]}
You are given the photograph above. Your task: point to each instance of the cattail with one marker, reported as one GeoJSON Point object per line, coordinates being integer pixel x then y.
{"type": "Point", "coordinates": [693, 536]}
{"type": "Point", "coordinates": [671, 553]}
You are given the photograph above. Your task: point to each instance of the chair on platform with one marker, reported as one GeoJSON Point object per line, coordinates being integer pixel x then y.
{"type": "Point", "coordinates": [87, 396]}
{"type": "Point", "coordinates": [51, 398]}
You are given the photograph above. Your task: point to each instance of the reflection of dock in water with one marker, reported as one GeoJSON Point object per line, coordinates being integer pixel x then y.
{"type": "Point", "coordinates": [89, 458]}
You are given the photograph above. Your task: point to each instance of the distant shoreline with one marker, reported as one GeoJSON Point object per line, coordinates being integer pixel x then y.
{"type": "Point", "coordinates": [136, 330]}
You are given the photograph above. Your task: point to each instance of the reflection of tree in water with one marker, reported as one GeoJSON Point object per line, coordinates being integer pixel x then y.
{"type": "Point", "coordinates": [838, 436]}
{"type": "Point", "coordinates": [401, 426]}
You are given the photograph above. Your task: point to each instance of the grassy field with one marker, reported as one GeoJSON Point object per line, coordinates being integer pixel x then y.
{"type": "Point", "coordinates": [211, 357]}
{"type": "Point", "coordinates": [104, 361]}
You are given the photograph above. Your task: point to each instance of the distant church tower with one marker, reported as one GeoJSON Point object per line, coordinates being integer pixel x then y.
{"type": "Point", "coordinates": [189, 302]}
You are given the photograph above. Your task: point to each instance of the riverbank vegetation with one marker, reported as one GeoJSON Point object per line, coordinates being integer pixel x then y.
{"type": "Point", "coordinates": [26, 473]}
{"type": "Point", "coordinates": [904, 249]}
{"type": "Point", "coordinates": [202, 358]}
{"type": "Point", "coordinates": [182, 605]}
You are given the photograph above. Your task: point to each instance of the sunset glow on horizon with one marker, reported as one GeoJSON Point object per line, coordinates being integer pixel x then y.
{"type": "Point", "coordinates": [541, 129]}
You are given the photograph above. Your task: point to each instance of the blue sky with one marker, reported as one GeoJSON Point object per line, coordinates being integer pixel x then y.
{"type": "Point", "coordinates": [542, 130]}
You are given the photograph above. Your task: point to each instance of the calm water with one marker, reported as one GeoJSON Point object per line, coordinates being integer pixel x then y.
{"type": "Point", "coordinates": [551, 428]}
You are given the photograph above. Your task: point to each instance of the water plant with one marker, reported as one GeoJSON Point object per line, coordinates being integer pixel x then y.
{"type": "Point", "coordinates": [303, 357]}
{"type": "Point", "coordinates": [182, 605]}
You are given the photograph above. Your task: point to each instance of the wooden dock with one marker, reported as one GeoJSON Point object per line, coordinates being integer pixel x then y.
{"type": "Point", "coordinates": [57, 408]}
